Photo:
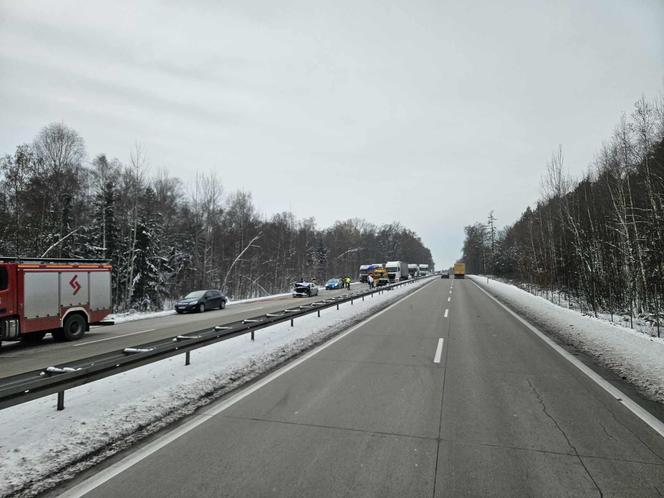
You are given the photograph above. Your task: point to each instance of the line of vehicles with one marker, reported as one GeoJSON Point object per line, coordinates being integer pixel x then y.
{"type": "Point", "coordinates": [308, 289]}
{"type": "Point", "coordinates": [381, 274]}
{"type": "Point", "coordinates": [392, 271]}
{"type": "Point", "coordinates": [458, 270]}
{"type": "Point", "coordinates": [64, 297]}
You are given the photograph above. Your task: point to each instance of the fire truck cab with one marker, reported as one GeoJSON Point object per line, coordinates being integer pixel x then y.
{"type": "Point", "coordinates": [63, 297]}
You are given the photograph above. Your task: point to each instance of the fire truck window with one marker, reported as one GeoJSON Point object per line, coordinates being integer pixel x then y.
{"type": "Point", "coordinates": [3, 279]}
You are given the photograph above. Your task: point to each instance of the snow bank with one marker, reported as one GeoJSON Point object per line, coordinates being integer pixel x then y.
{"type": "Point", "coordinates": [633, 355]}
{"type": "Point", "coordinates": [130, 316]}
{"type": "Point", "coordinates": [40, 447]}
{"type": "Point", "coordinates": [643, 323]}
{"type": "Point", "coordinates": [133, 315]}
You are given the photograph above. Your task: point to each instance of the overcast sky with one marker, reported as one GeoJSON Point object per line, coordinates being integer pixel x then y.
{"type": "Point", "coordinates": [430, 113]}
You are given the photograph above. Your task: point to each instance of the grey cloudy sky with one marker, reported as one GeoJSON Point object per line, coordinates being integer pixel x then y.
{"type": "Point", "coordinates": [430, 113]}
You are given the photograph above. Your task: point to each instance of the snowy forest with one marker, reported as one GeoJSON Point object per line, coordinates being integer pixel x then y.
{"type": "Point", "coordinates": [600, 239]}
{"type": "Point", "coordinates": [166, 238]}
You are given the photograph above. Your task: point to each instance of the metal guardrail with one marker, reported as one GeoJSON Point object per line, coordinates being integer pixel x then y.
{"type": "Point", "coordinates": [36, 384]}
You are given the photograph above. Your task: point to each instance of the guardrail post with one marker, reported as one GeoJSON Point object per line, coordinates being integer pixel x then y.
{"type": "Point", "coordinates": [187, 358]}
{"type": "Point", "coordinates": [351, 301]}
{"type": "Point", "coordinates": [291, 322]}
{"type": "Point", "coordinates": [318, 313]}
{"type": "Point", "coordinates": [362, 297]}
{"type": "Point", "coordinates": [252, 335]}
{"type": "Point", "coordinates": [337, 306]}
{"type": "Point", "coordinates": [61, 400]}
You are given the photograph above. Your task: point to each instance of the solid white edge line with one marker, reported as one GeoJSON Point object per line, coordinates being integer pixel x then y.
{"type": "Point", "coordinates": [439, 351]}
{"type": "Point", "coordinates": [647, 417]}
{"type": "Point", "coordinates": [446, 312]}
{"type": "Point", "coordinates": [130, 460]}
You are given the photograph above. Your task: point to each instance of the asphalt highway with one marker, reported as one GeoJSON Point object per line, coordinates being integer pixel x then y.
{"type": "Point", "coordinates": [442, 394]}
{"type": "Point", "coordinates": [18, 357]}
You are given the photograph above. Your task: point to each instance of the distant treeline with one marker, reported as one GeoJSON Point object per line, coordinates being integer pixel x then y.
{"type": "Point", "coordinates": [164, 239]}
{"type": "Point", "coordinates": [600, 239]}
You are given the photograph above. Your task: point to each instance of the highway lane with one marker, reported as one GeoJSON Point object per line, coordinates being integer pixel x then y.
{"type": "Point", "coordinates": [16, 358]}
{"type": "Point", "coordinates": [391, 410]}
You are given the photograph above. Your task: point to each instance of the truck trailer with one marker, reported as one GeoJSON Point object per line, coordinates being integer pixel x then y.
{"type": "Point", "coordinates": [459, 270]}
{"type": "Point", "coordinates": [397, 270]}
{"type": "Point", "coordinates": [63, 297]}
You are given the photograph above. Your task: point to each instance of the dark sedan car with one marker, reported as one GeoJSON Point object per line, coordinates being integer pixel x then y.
{"type": "Point", "coordinates": [201, 300]}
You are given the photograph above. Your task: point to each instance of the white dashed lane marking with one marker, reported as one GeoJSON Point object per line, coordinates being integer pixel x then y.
{"type": "Point", "coordinates": [439, 351]}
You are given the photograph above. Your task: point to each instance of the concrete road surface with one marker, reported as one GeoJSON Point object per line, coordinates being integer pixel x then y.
{"type": "Point", "coordinates": [17, 357]}
{"type": "Point", "coordinates": [443, 394]}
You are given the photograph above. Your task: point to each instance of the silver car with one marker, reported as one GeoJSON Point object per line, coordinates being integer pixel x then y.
{"type": "Point", "coordinates": [302, 289]}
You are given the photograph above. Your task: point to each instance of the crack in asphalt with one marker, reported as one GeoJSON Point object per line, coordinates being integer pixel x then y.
{"type": "Point", "coordinates": [436, 439]}
{"type": "Point", "coordinates": [442, 399]}
{"type": "Point", "coordinates": [560, 453]}
{"type": "Point", "coordinates": [540, 399]}
{"type": "Point", "coordinates": [332, 427]}
{"type": "Point", "coordinates": [605, 430]}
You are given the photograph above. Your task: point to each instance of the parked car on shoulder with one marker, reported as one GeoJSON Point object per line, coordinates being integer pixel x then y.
{"type": "Point", "coordinates": [201, 300]}
{"type": "Point", "coordinates": [334, 283]}
{"type": "Point", "coordinates": [305, 289]}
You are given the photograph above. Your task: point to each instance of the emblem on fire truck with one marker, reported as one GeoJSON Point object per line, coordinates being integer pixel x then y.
{"type": "Point", "coordinates": [74, 284]}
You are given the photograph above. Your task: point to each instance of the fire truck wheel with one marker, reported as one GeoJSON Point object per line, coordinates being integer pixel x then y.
{"type": "Point", "coordinates": [74, 327]}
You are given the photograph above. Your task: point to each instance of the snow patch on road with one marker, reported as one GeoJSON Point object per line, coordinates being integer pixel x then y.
{"type": "Point", "coordinates": [633, 355]}
{"type": "Point", "coordinates": [40, 447]}
{"type": "Point", "coordinates": [131, 316]}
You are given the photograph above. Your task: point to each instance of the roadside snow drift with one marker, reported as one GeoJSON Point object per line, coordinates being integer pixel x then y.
{"type": "Point", "coordinates": [633, 355]}
{"type": "Point", "coordinates": [133, 315]}
{"type": "Point", "coordinates": [41, 446]}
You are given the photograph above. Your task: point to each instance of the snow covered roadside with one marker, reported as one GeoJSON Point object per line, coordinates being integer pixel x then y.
{"type": "Point", "coordinates": [635, 356]}
{"type": "Point", "coordinates": [643, 323]}
{"type": "Point", "coordinates": [41, 447]}
{"type": "Point", "coordinates": [131, 316]}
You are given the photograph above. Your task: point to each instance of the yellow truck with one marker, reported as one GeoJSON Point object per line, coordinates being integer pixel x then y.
{"type": "Point", "coordinates": [380, 276]}
{"type": "Point", "coordinates": [459, 270]}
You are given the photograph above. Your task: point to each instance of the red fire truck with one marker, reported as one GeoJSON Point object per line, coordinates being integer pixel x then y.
{"type": "Point", "coordinates": [59, 296]}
